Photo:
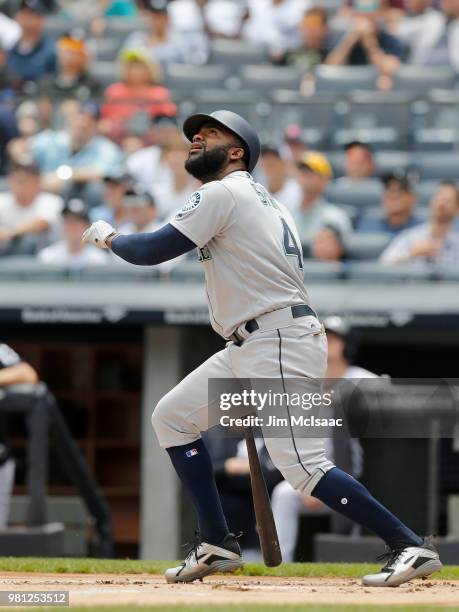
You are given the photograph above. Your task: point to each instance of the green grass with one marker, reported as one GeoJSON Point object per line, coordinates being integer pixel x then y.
{"type": "Point", "coordinates": [120, 566]}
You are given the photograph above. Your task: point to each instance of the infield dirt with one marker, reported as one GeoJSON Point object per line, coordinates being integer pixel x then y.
{"type": "Point", "coordinates": [141, 589]}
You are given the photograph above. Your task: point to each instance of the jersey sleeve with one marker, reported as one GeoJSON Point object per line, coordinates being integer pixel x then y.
{"type": "Point", "coordinates": [207, 213]}
{"type": "Point", "coordinates": [8, 357]}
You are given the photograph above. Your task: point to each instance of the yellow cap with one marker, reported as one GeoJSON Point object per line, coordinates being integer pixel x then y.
{"type": "Point", "coordinates": [317, 163]}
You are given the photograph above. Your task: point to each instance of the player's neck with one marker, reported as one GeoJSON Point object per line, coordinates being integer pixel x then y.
{"type": "Point", "coordinates": [225, 171]}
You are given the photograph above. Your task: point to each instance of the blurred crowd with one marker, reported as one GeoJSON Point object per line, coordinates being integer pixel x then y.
{"type": "Point", "coordinates": [78, 144]}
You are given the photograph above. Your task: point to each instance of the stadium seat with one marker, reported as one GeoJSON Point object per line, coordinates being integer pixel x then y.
{"type": "Point", "coordinates": [56, 25]}
{"type": "Point", "coordinates": [420, 79]}
{"type": "Point", "coordinates": [367, 110]}
{"type": "Point", "coordinates": [269, 78]}
{"type": "Point", "coordinates": [374, 272]}
{"type": "Point", "coordinates": [376, 137]}
{"type": "Point", "coordinates": [336, 158]}
{"type": "Point", "coordinates": [435, 139]}
{"type": "Point", "coordinates": [441, 165]}
{"type": "Point", "coordinates": [29, 268]}
{"type": "Point", "coordinates": [387, 161]}
{"type": "Point", "coordinates": [320, 271]}
{"type": "Point", "coordinates": [345, 79]}
{"type": "Point", "coordinates": [191, 78]}
{"type": "Point", "coordinates": [424, 191]}
{"type": "Point", "coordinates": [236, 53]}
{"type": "Point", "coordinates": [120, 27]}
{"type": "Point", "coordinates": [361, 195]}
{"type": "Point", "coordinates": [442, 109]}
{"type": "Point", "coordinates": [245, 103]}
{"type": "Point", "coordinates": [104, 49]}
{"type": "Point", "coordinates": [316, 115]}
{"type": "Point", "coordinates": [3, 183]}
{"type": "Point", "coordinates": [105, 73]}
{"type": "Point", "coordinates": [366, 246]}
{"type": "Point", "coordinates": [118, 272]}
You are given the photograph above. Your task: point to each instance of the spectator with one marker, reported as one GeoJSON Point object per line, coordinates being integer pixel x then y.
{"type": "Point", "coordinates": [367, 42]}
{"type": "Point", "coordinates": [288, 504]}
{"type": "Point", "coordinates": [314, 173]}
{"type": "Point", "coordinates": [328, 244]}
{"type": "Point", "coordinates": [274, 23]}
{"type": "Point", "coordinates": [34, 54]}
{"type": "Point", "coordinates": [28, 217]}
{"type": "Point", "coordinates": [433, 36]}
{"type": "Point", "coordinates": [75, 159]}
{"type": "Point", "coordinates": [143, 211]}
{"type": "Point", "coordinates": [359, 163]}
{"type": "Point", "coordinates": [72, 79]}
{"type": "Point", "coordinates": [118, 8]}
{"type": "Point", "coordinates": [293, 146]}
{"type": "Point", "coordinates": [217, 18]}
{"type": "Point", "coordinates": [138, 92]}
{"type": "Point", "coordinates": [114, 211]}
{"type": "Point", "coordinates": [10, 32]}
{"type": "Point", "coordinates": [280, 184]}
{"type": "Point", "coordinates": [316, 41]}
{"type": "Point", "coordinates": [170, 196]}
{"type": "Point", "coordinates": [13, 371]}
{"type": "Point", "coordinates": [398, 203]}
{"type": "Point", "coordinates": [414, 8]}
{"type": "Point", "coordinates": [161, 43]}
{"type": "Point", "coordinates": [435, 242]}
{"type": "Point", "coordinates": [70, 251]}
{"type": "Point", "coordinates": [147, 164]}
{"type": "Point", "coordinates": [8, 131]}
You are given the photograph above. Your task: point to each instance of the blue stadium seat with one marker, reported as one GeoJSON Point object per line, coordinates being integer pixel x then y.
{"type": "Point", "coordinates": [191, 78]}
{"type": "Point", "coordinates": [322, 271]}
{"type": "Point", "coordinates": [29, 268]}
{"type": "Point", "coordinates": [121, 27]}
{"type": "Point", "coordinates": [56, 25]}
{"type": "Point", "coordinates": [237, 53]}
{"type": "Point", "coordinates": [421, 79]}
{"type": "Point", "coordinates": [3, 184]}
{"type": "Point", "coordinates": [189, 271]}
{"type": "Point", "coordinates": [316, 115]}
{"type": "Point", "coordinates": [435, 139]}
{"type": "Point", "coordinates": [387, 161]}
{"type": "Point", "coordinates": [366, 246]}
{"type": "Point", "coordinates": [424, 192]}
{"type": "Point", "coordinates": [268, 78]}
{"type": "Point", "coordinates": [440, 165]}
{"type": "Point", "coordinates": [242, 102]}
{"type": "Point", "coordinates": [388, 113]}
{"type": "Point", "coordinates": [345, 79]}
{"type": "Point", "coordinates": [104, 49]}
{"type": "Point", "coordinates": [374, 272]}
{"type": "Point", "coordinates": [361, 195]}
{"type": "Point", "coordinates": [119, 272]}
{"type": "Point", "coordinates": [105, 73]}
{"type": "Point", "coordinates": [377, 137]}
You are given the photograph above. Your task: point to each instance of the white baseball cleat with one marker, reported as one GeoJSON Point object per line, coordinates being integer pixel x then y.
{"type": "Point", "coordinates": [204, 559]}
{"type": "Point", "coordinates": [404, 564]}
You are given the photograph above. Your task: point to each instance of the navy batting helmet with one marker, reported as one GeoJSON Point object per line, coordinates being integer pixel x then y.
{"type": "Point", "coordinates": [233, 122]}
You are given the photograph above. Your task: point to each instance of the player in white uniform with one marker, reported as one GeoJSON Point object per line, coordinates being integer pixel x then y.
{"type": "Point", "coordinates": [251, 253]}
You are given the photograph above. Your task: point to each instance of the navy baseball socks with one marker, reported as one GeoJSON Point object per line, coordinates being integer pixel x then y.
{"type": "Point", "coordinates": [194, 468]}
{"type": "Point", "coordinates": [215, 549]}
{"type": "Point", "coordinates": [346, 495]}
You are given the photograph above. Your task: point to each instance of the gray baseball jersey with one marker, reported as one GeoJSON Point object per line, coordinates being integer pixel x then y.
{"type": "Point", "coordinates": [250, 249]}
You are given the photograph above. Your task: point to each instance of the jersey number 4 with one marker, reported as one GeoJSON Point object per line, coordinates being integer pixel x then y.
{"type": "Point", "coordinates": [290, 244]}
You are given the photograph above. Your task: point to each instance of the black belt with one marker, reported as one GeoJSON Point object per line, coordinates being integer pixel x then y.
{"type": "Point", "coordinates": [298, 310]}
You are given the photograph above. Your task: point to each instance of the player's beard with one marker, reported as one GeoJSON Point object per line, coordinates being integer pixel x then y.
{"type": "Point", "coordinates": [208, 164]}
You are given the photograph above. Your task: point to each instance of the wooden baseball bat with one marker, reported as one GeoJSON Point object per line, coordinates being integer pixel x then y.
{"type": "Point", "coordinates": [266, 527]}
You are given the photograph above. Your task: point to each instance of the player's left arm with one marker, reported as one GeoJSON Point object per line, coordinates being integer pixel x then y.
{"type": "Point", "coordinates": [147, 249]}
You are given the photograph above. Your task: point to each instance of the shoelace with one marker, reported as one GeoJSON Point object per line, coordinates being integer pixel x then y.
{"type": "Point", "coordinates": [192, 548]}
{"type": "Point", "coordinates": [390, 555]}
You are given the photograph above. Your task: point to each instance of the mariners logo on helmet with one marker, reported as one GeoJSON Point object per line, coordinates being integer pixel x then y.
{"type": "Point", "coordinates": [193, 202]}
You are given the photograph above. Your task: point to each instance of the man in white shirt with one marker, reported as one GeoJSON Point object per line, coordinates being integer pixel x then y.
{"type": "Point", "coordinates": [283, 187]}
{"type": "Point", "coordinates": [433, 36]}
{"type": "Point", "coordinates": [435, 242]}
{"type": "Point", "coordinates": [28, 216]}
{"type": "Point", "coordinates": [314, 174]}
{"type": "Point", "coordinates": [70, 251]}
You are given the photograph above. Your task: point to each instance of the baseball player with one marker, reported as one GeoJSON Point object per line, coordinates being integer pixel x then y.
{"type": "Point", "coordinates": [251, 253]}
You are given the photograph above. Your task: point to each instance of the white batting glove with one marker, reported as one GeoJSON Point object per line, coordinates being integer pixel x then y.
{"type": "Point", "coordinates": [98, 233]}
